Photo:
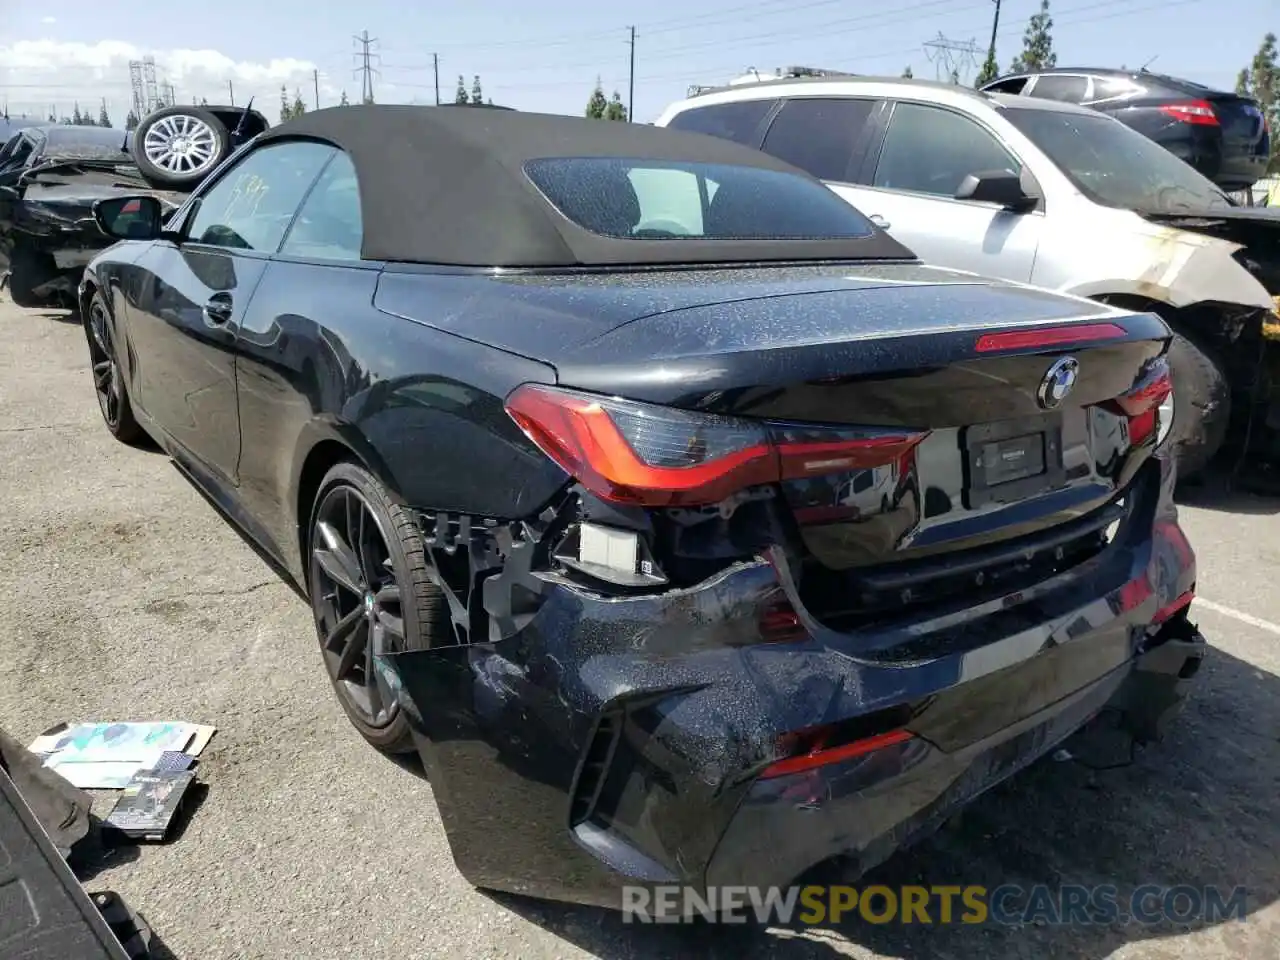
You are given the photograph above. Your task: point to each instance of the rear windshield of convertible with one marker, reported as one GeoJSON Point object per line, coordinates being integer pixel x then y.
{"type": "Point", "coordinates": [667, 200]}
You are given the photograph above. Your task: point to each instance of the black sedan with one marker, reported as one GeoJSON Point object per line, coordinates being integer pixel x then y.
{"type": "Point", "coordinates": [1223, 135]}
{"type": "Point", "coordinates": [688, 527]}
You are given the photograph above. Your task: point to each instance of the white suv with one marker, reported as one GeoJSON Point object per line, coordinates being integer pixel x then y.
{"type": "Point", "coordinates": [1038, 192]}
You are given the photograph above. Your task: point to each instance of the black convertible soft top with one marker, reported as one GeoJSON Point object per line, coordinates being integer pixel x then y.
{"type": "Point", "coordinates": [450, 187]}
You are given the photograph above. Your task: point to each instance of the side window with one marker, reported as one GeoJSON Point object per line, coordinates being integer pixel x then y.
{"type": "Point", "coordinates": [739, 121]}
{"type": "Point", "coordinates": [930, 150]}
{"type": "Point", "coordinates": [1058, 86]}
{"type": "Point", "coordinates": [818, 135]}
{"type": "Point", "coordinates": [251, 206]}
{"type": "Point", "coordinates": [1013, 85]}
{"type": "Point", "coordinates": [328, 226]}
{"type": "Point", "coordinates": [1111, 88]}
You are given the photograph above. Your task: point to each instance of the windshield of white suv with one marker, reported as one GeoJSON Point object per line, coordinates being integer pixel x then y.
{"type": "Point", "coordinates": [1114, 165]}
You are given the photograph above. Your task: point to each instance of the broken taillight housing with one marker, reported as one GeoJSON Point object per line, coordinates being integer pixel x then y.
{"type": "Point", "coordinates": [1148, 404]}
{"type": "Point", "coordinates": [648, 455]}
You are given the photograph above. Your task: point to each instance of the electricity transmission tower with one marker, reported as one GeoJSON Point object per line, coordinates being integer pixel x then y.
{"type": "Point", "coordinates": [151, 90]}
{"type": "Point", "coordinates": [139, 93]}
{"type": "Point", "coordinates": [365, 70]}
{"type": "Point", "coordinates": [952, 59]}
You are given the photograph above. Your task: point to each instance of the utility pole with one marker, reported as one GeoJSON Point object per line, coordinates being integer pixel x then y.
{"type": "Point", "coordinates": [366, 69]}
{"type": "Point", "coordinates": [995, 25]}
{"type": "Point", "coordinates": [315, 80]}
{"type": "Point", "coordinates": [631, 91]}
{"type": "Point", "coordinates": [435, 65]}
{"type": "Point", "coordinates": [231, 92]}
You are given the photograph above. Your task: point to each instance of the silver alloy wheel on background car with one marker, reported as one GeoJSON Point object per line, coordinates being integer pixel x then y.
{"type": "Point", "coordinates": [181, 144]}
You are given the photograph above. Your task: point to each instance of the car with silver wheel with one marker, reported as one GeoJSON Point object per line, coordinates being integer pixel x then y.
{"type": "Point", "coordinates": [688, 527]}
{"type": "Point", "coordinates": [177, 147]}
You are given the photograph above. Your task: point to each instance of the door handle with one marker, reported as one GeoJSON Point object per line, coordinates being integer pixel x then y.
{"type": "Point", "coordinates": [217, 312]}
{"type": "Point", "coordinates": [879, 221]}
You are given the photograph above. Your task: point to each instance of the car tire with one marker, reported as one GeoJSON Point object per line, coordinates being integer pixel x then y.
{"type": "Point", "coordinates": [343, 581]}
{"type": "Point", "coordinates": [108, 379]}
{"type": "Point", "coordinates": [175, 148]}
{"type": "Point", "coordinates": [1201, 406]}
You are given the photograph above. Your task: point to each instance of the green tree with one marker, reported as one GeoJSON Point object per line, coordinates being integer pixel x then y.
{"type": "Point", "coordinates": [476, 95]}
{"type": "Point", "coordinates": [1037, 43]}
{"type": "Point", "coordinates": [598, 104]}
{"type": "Point", "coordinates": [286, 108]}
{"type": "Point", "coordinates": [344, 102]}
{"type": "Point", "coordinates": [1261, 80]}
{"type": "Point", "coordinates": [460, 95]}
{"type": "Point", "coordinates": [131, 121]}
{"type": "Point", "coordinates": [104, 119]}
{"type": "Point", "coordinates": [908, 73]}
{"type": "Point", "coordinates": [990, 69]}
{"type": "Point", "coordinates": [299, 108]}
{"type": "Point", "coordinates": [616, 110]}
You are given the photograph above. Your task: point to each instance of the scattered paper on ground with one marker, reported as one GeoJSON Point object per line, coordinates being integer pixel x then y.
{"type": "Point", "coordinates": [105, 756]}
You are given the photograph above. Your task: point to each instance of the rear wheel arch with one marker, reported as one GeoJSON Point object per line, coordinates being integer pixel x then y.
{"type": "Point", "coordinates": [323, 456]}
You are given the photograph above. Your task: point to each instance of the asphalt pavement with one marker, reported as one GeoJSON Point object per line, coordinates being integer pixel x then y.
{"type": "Point", "coordinates": [124, 596]}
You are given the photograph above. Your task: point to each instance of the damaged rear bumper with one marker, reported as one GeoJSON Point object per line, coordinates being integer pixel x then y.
{"type": "Point", "coordinates": [606, 741]}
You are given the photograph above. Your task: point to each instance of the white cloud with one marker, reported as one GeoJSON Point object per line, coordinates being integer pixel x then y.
{"type": "Point", "coordinates": [48, 20]}
{"type": "Point", "coordinates": [37, 75]}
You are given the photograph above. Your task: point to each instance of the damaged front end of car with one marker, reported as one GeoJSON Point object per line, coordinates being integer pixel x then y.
{"type": "Point", "coordinates": [48, 233]}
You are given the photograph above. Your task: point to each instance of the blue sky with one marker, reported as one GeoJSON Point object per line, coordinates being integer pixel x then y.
{"type": "Point", "coordinates": [548, 60]}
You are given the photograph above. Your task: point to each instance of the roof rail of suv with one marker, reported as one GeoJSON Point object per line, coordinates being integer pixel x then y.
{"type": "Point", "coordinates": [827, 76]}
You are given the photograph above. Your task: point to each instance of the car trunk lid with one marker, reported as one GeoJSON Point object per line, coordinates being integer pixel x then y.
{"type": "Point", "coordinates": [912, 428]}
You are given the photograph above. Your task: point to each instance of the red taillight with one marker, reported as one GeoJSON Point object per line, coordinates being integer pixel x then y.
{"type": "Point", "coordinates": [1170, 610]}
{"type": "Point", "coordinates": [1049, 337]}
{"type": "Point", "coordinates": [823, 756]}
{"type": "Point", "coordinates": [1199, 112]}
{"type": "Point", "coordinates": [131, 206]}
{"type": "Point", "coordinates": [648, 455]}
{"type": "Point", "coordinates": [1140, 403]}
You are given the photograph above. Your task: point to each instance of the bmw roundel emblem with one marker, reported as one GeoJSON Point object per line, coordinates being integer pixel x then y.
{"type": "Point", "coordinates": [1059, 380]}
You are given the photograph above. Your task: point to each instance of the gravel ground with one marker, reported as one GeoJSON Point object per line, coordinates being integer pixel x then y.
{"type": "Point", "coordinates": [125, 596]}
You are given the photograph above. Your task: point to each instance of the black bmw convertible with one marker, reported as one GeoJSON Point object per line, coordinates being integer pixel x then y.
{"type": "Point", "coordinates": [689, 528]}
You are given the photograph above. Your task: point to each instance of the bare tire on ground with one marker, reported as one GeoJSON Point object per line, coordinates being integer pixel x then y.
{"type": "Point", "coordinates": [370, 592]}
{"type": "Point", "coordinates": [177, 147]}
{"type": "Point", "coordinates": [108, 379]}
{"type": "Point", "coordinates": [1201, 406]}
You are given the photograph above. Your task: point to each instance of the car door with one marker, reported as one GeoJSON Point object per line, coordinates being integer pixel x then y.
{"type": "Point", "coordinates": [292, 361]}
{"type": "Point", "coordinates": [190, 294]}
{"type": "Point", "coordinates": [908, 188]}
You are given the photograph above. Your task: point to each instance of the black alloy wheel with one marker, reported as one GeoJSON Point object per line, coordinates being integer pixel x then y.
{"type": "Point", "coordinates": [370, 594]}
{"type": "Point", "coordinates": [108, 381]}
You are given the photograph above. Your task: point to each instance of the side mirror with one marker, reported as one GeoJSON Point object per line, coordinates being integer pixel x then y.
{"type": "Point", "coordinates": [130, 218]}
{"type": "Point", "coordinates": [1003, 187]}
